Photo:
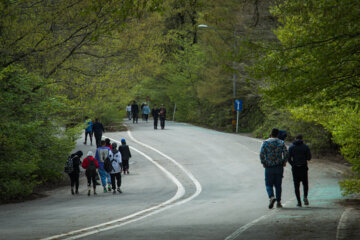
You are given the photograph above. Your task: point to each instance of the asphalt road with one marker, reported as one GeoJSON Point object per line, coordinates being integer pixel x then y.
{"type": "Point", "coordinates": [185, 182]}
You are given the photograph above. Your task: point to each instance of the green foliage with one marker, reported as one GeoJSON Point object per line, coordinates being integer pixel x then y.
{"type": "Point", "coordinates": [314, 70]}
{"type": "Point", "coordinates": [33, 148]}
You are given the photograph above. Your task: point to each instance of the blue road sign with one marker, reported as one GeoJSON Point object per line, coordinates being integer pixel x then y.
{"type": "Point", "coordinates": [238, 105]}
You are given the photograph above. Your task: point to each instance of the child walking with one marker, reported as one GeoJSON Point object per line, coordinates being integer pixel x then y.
{"type": "Point", "coordinates": [90, 164]}
{"type": "Point", "coordinates": [115, 159]}
{"type": "Point", "coordinates": [125, 155]}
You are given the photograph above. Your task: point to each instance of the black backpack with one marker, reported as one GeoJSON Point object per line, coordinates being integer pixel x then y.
{"type": "Point", "coordinates": [108, 165]}
{"type": "Point", "coordinates": [69, 165]}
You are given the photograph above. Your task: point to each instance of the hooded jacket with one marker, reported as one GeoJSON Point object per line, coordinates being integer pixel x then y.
{"type": "Point", "coordinates": [299, 153]}
{"type": "Point", "coordinates": [273, 153]}
{"type": "Point", "coordinates": [76, 157]}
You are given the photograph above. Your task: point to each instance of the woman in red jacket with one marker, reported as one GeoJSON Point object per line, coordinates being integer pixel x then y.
{"type": "Point", "coordinates": [90, 164]}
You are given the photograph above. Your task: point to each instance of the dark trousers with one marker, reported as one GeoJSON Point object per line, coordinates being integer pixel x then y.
{"type": "Point", "coordinates": [129, 115]}
{"type": "Point", "coordinates": [135, 117]}
{"type": "Point", "coordinates": [162, 122]}
{"type": "Point", "coordinates": [90, 136]}
{"type": "Point", "coordinates": [146, 117]}
{"type": "Point", "coordinates": [155, 123]}
{"type": "Point", "coordinates": [116, 176]}
{"type": "Point", "coordinates": [91, 178]}
{"type": "Point", "coordinates": [74, 179]}
{"type": "Point", "coordinates": [273, 178]}
{"type": "Point", "coordinates": [300, 174]}
{"type": "Point", "coordinates": [98, 137]}
{"type": "Point", "coordinates": [125, 163]}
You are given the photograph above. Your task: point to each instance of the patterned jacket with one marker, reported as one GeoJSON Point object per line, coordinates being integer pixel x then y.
{"type": "Point", "coordinates": [273, 153]}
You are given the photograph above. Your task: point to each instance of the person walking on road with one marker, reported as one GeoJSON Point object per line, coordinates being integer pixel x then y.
{"type": "Point", "coordinates": [155, 114]}
{"type": "Point", "coordinates": [162, 115]}
{"type": "Point", "coordinates": [102, 153]}
{"type": "Point", "coordinates": [146, 111]}
{"type": "Point", "coordinates": [273, 156]}
{"type": "Point", "coordinates": [115, 159]}
{"type": "Point", "coordinates": [299, 155]}
{"type": "Point", "coordinates": [125, 155]}
{"type": "Point", "coordinates": [88, 130]}
{"type": "Point", "coordinates": [98, 130]}
{"type": "Point", "coordinates": [128, 111]}
{"type": "Point", "coordinates": [135, 111]}
{"type": "Point", "coordinates": [74, 175]}
{"type": "Point", "coordinates": [108, 143]}
{"type": "Point", "coordinates": [90, 164]}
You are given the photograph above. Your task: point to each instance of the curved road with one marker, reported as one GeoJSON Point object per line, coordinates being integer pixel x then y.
{"type": "Point", "coordinates": [185, 182]}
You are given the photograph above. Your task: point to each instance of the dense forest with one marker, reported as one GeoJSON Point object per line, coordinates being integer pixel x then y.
{"type": "Point", "coordinates": [294, 63]}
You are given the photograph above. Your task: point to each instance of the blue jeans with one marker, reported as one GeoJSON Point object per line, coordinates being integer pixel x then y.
{"type": "Point", "coordinates": [273, 178]}
{"type": "Point", "coordinates": [104, 177]}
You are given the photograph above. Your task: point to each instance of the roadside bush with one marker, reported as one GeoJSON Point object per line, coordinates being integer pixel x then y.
{"type": "Point", "coordinates": [32, 146]}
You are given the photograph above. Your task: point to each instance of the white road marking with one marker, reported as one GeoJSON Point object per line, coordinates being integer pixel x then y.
{"type": "Point", "coordinates": [245, 227]}
{"type": "Point", "coordinates": [342, 225]}
{"type": "Point", "coordinates": [144, 213]}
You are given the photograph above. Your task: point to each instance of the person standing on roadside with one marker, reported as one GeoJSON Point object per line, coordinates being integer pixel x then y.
{"type": "Point", "coordinates": [299, 155]}
{"type": "Point", "coordinates": [146, 111]}
{"type": "Point", "coordinates": [162, 115]}
{"type": "Point", "coordinates": [155, 114]}
{"type": "Point", "coordinates": [74, 175]}
{"type": "Point", "coordinates": [273, 156]}
{"type": "Point", "coordinates": [128, 111]}
{"type": "Point", "coordinates": [115, 159]}
{"type": "Point", "coordinates": [125, 155]}
{"type": "Point", "coordinates": [98, 130]}
{"type": "Point", "coordinates": [102, 153]}
{"type": "Point", "coordinates": [88, 130]}
{"type": "Point", "coordinates": [135, 111]}
{"type": "Point", "coordinates": [90, 164]}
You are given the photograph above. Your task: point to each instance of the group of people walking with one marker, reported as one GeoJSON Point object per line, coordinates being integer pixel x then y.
{"type": "Point", "coordinates": [108, 161]}
{"type": "Point", "coordinates": [274, 155]}
{"type": "Point", "coordinates": [157, 113]}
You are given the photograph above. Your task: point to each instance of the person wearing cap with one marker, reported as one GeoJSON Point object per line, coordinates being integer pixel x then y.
{"type": "Point", "coordinates": [273, 156]}
{"type": "Point", "coordinates": [162, 115]}
{"type": "Point", "coordinates": [146, 111]}
{"type": "Point", "coordinates": [90, 164]}
{"type": "Point", "coordinates": [125, 155]}
{"type": "Point", "coordinates": [299, 155]}
{"type": "Point", "coordinates": [115, 159]}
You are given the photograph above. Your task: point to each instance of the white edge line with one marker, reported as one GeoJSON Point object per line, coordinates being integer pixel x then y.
{"type": "Point", "coordinates": [180, 192]}
{"type": "Point", "coordinates": [188, 173]}
{"type": "Point", "coordinates": [342, 224]}
{"type": "Point", "coordinates": [245, 227]}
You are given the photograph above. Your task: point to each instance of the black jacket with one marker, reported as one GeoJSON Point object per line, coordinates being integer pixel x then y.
{"type": "Point", "coordinates": [155, 113]}
{"type": "Point", "coordinates": [134, 108]}
{"type": "Point", "coordinates": [98, 128]}
{"type": "Point", "coordinates": [76, 157]}
{"type": "Point", "coordinates": [125, 151]}
{"type": "Point", "coordinates": [299, 153]}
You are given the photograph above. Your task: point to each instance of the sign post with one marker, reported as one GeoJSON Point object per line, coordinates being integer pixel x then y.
{"type": "Point", "coordinates": [238, 108]}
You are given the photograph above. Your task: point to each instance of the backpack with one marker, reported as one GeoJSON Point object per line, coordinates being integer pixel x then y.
{"type": "Point", "coordinates": [92, 166]}
{"type": "Point", "coordinates": [108, 165]}
{"type": "Point", "coordinates": [69, 165]}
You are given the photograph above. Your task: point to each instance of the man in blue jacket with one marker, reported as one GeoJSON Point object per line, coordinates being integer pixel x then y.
{"type": "Point", "coordinates": [299, 154]}
{"type": "Point", "coordinates": [273, 156]}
